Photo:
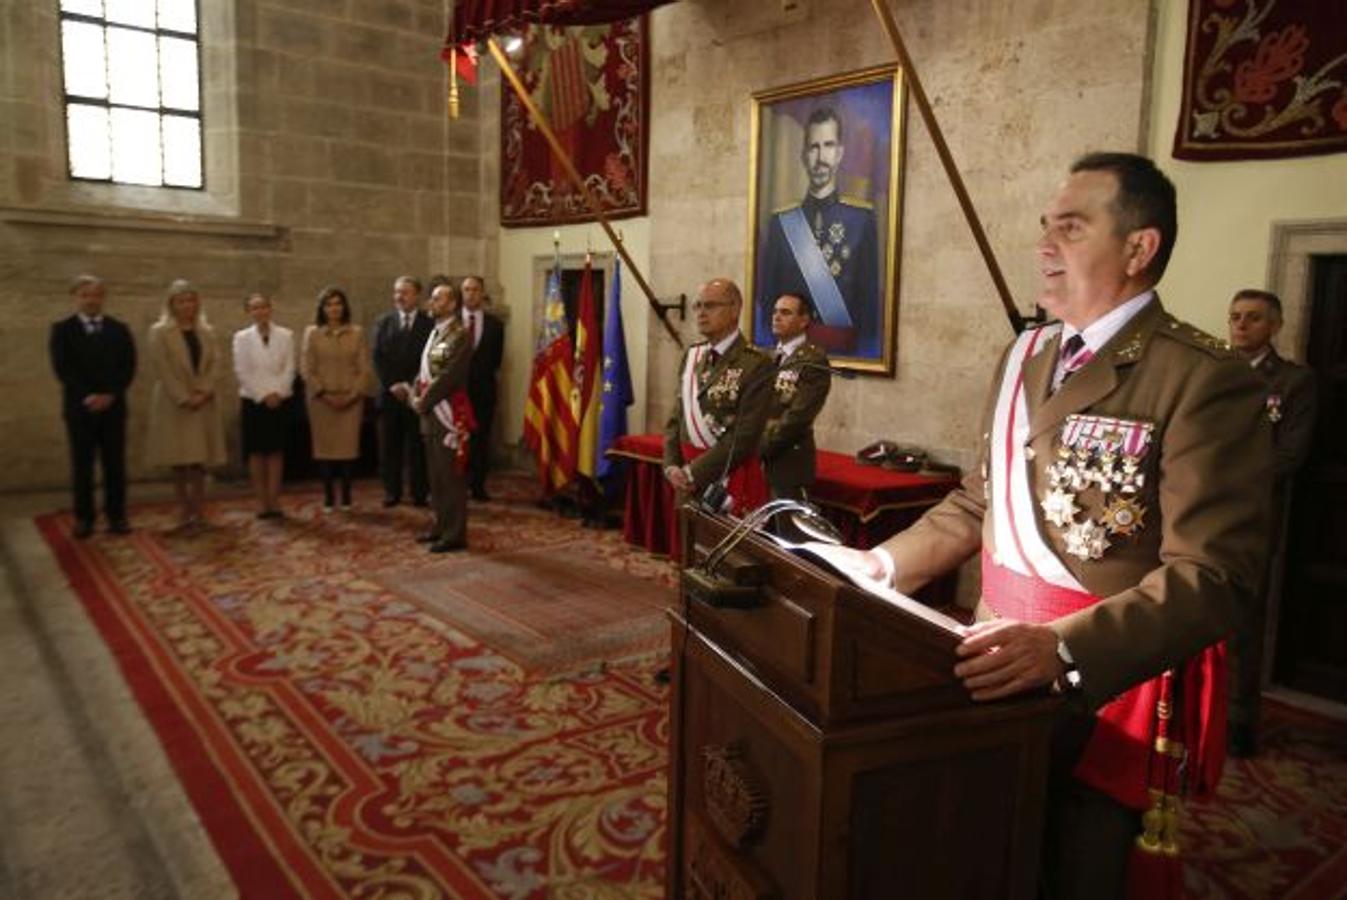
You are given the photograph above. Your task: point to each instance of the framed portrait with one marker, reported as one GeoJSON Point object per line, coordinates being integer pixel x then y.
{"type": "Point", "coordinates": [824, 203]}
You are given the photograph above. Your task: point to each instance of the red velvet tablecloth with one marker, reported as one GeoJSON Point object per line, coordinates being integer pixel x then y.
{"type": "Point", "coordinates": [866, 503]}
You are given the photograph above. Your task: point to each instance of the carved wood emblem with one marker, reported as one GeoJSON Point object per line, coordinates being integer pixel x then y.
{"type": "Point", "coordinates": [735, 799]}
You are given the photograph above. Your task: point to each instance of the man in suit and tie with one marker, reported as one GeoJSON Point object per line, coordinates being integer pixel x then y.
{"type": "Point", "coordinates": [487, 333]}
{"type": "Point", "coordinates": [721, 406]}
{"type": "Point", "coordinates": [1121, 513]}
{"type": "Point", "coordinates": [95, 359]}
{"type": "Point", "coordinates": [1255, 320]}
{"type": "Point", "coordinates": [799, 391]}
{"type": "Point", "coordinates": [399, 337]}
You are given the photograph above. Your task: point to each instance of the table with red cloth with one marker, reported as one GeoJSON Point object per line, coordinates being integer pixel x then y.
{"type": "Point", "coordinates": [867, 503]}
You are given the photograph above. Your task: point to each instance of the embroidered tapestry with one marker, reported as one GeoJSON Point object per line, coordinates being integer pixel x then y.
{"type": "Point", "coordinates": [591, 84]}
{"type": "Point", "coordinates": [1263, 79]}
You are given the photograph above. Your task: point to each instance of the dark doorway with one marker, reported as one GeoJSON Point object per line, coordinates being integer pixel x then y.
{"type": "Point", "coordinates": [1311, 650]}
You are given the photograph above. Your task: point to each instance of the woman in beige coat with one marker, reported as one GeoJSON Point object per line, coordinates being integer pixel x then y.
{"type": "Point", "coordinates": [335, 364]}
{"type": "Point", "coordinates": [185, 428]}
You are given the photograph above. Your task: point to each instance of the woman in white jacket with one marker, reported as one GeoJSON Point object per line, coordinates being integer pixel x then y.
{"type": "Point", "coordinates": [264, 361]}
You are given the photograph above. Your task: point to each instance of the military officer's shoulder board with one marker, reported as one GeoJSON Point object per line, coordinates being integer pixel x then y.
{"type": "Point", "coordinates": [1194, 337]}
{"type": "Point", "coordinates": [856, 202]}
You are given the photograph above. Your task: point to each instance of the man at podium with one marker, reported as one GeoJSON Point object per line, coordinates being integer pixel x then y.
{"type": "Point", "coordinates": [1121, 514]}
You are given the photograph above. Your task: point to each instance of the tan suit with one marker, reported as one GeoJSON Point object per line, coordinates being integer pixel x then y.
{"type": "Point", "coordinates": [799, 390]}
{"type": "Point", "coordinates": [450, 355]}
{"type": "Point", "coordinates": [179, 436]}
{"type": "Point", "coordinates": [1181, 581]}
{"type": "Point", "coordinates": [734, 393]}
{"type": "Point", "coordinates": [335, 360]}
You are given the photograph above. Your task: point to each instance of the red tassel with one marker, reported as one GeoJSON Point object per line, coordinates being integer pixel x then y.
{"type": "Point", "coordinates": [1153, 875]}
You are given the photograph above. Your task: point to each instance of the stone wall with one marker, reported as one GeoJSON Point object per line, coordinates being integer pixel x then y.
{"type": "Point", "coordinates": [329, 160]}
{"type": "Point", "coordinates": [1019, 88]}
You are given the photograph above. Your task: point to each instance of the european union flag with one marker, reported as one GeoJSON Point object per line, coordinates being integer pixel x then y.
{"type": "Point", "coordinates": [616, 394]}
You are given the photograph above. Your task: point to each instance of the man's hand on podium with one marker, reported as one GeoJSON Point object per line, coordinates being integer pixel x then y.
{"type": "Point", "coordinates": [1004, 657]}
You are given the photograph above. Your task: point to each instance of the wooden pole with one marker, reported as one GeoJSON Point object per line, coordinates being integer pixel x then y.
{"type": "Point", "coordinates": [538, 119]}
{"type": "Point", "coordinates": [951, 170]}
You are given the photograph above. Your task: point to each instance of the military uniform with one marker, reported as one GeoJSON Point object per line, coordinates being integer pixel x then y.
{"type": "Point", "coordinates": [1139, 481]}
{"type": "Point", "coordinates": [845, 232]}
{"type": "Point", "coordinates": [732, 397]}
{"type": "Point", "coordinates": [799, 391]}
{"type": "Point", "coordinates": [1289, 405]}
{"type": "Point", "coordinates": [446, 360]}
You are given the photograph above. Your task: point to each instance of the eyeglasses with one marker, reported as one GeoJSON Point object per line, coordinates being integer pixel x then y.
{"type": "Point", "coordinates": [701, 305]}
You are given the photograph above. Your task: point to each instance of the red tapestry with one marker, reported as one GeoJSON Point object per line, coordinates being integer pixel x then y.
{"type": "Point", "coordinates": [1263, 79]}
{"type": "Point", "coordinates": [591, 84]}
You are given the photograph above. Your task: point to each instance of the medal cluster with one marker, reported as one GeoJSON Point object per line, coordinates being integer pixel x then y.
{"type": "Point", "coordinates": [1108, 460]}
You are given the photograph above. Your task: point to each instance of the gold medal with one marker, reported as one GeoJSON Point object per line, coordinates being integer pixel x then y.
{"type": "Point", "coordinates": [1124, 516]}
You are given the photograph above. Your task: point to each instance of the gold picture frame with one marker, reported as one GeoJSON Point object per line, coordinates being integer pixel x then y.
{"type": "Point", "coordinates": [824, 211]}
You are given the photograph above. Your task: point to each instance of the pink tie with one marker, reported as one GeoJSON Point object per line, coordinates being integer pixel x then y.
{"type": "Point", "coordinates": [1074, 356]}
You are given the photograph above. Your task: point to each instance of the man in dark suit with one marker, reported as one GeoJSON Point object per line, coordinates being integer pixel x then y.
{"type": "Point", "coordinates": [799, 391]}
{"type": "Point", "coordinates": [487, 333]}
{"type": "Point", "coordinates": [1255, 319]}
{"type": "Point", "coordinates": [399, 337]}
{"type": "Point", "coordinates": [95, 359]}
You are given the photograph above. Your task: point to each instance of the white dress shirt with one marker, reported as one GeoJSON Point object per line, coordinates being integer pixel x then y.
{"type": "Point", "coordinates": [264, 368]}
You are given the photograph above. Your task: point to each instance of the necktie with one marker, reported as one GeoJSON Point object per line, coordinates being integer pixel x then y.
{"type": "Point", "coordinates": [95, 326]}
{"type": "Point", "coordinates": [476, 334]}
{"type": "Point", "coordinates": [1074, 356]}
{"type": "Point", "coordinates": [713, 356]}
{"type": "Point", "coordinates": [780, 356]}
{"type": "Point", "coordinates": [406, 321]}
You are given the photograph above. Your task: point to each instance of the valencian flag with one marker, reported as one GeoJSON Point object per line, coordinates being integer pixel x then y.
{"type": "Point", "coordinates": [588, 378]}
{"type": "Point", "coordinates": [550, 425]}
{"type": "Point", "coordinates": [615, 394]}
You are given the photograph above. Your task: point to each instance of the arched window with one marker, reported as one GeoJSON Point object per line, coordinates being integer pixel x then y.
{"type": "Point", "coordinates": [133, 91]}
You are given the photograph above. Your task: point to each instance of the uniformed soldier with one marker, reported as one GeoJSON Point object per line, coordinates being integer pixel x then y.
{"type": "Point", "coordinates": [721, 404]}
{"type": "Point", "coordinates": [827, 248]}
{"type": "Point", "coordinates": [1255, 320]}
{"type": "Point", "coordinates": [799, 390]}
{"type": "Point", "coordinates": [1120, 513]}
{"type": "Point", "coordinates": [442, 402]}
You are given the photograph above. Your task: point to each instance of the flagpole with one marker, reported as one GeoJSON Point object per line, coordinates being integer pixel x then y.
{"type": "Point", "coordinates": [541, 121]}
{"type": "Point", "coordinates": [947, 160]}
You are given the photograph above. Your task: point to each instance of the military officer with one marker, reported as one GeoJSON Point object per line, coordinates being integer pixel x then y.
{"type": "Point", "coordinates": [799, 390]}
{"type": "Point", "coordinates": [721, 404]}
{"type": "Point", "coordinates": [827, 248]}
{"type": "Point", "coordinates": [1119, 512]}
{"type": "Point", "coordinates": [442, 403]}
{"type": "Point", "coordinates": [1255, 320]}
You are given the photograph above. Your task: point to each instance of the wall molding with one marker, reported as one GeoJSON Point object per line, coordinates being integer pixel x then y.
{"type": "Point", "coordinates": [97, 218]}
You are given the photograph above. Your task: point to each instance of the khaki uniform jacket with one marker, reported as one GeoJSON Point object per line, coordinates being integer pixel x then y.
{"type": "Point", "coordinates": [799, 391]}
{"type": "Point", "coordinates": [179, 436]}
{"type": "Point", "coordinates": [734, 397]}
{"type": "Point", "coordinates": [450, 359]}
{"type": "Point", "coordinates": [335, 360]}
{"type": "Point", "coordinates": [1181, 581]}
{"type": "Point", "coordinates": [1290, 407]}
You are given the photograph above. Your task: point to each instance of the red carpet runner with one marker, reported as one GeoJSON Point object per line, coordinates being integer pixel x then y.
{"type": "Point", "coordinates": [337, 741]}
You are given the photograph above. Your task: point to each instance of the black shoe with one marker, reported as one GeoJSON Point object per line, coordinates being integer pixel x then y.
{"type": "Point", "coordinates": [1242, 741]}
{"type": "Point", "coordinates": [119, 526]}
{"type": "Point", "coordinates": [421, 502]}
{"type": "Point", "coordinates": [662, 676]}
{"type": "Point", "coordinates": [82, 530]}
{"type": "Point", "coordinates": [429, 537]}
{"type": "Point", "coordinates": [448, 547]}
{"type": "Point", "coordinates": [391, 501]}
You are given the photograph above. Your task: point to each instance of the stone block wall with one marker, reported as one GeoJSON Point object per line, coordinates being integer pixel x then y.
{"type": "Point", "coordinates": [330, 159]}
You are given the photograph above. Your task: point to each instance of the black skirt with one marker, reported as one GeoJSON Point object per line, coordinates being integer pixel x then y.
{"type": "Point", "coordinates": [265, 430]}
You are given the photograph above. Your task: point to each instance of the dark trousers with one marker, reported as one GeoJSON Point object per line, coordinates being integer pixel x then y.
{"type": "Point", "coordinates": [479, 448]}
{"type": "Point", "coordinates": [448, 493]}
{"type": "Point", "coordinates": [1247, 643]}
{"type": "Point", "coordinates": [400, 437]}
{"type": "Point", "coordinates": [101, 435]}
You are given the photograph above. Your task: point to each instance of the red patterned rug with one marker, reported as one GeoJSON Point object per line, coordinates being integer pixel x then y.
{"type": "Point", "coordinates": [338, 741]}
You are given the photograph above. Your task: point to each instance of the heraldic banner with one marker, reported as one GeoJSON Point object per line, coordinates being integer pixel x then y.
{"type": "Point", "coordinates": [592, 85]}
{"type": "Point", "coordinates": [1263, 79]}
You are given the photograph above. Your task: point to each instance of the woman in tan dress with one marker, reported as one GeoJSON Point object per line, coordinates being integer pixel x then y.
{"type": "Point", "coordinates": [185, 428]}
{"type": "Point", "coordinates": [335, 366]}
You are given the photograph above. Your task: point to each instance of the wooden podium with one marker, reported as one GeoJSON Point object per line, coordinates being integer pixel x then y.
{"type": "Point", "coordinates": [822, 748]}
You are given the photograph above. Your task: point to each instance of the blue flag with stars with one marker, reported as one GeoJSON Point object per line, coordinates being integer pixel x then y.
{"type": "Point", "coordinates": [616, 394]}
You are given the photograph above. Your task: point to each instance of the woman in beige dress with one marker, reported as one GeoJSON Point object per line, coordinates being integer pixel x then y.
{"type": "Point", "coordinates": [185, 433]}
{"type": "Point", "coordinates": [335, 365]}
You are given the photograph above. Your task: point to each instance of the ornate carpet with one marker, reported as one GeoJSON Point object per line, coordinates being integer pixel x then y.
{"type": "Point", "coordinates": [338, 741]}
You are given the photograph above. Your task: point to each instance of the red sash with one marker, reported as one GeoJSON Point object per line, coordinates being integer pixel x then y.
{"type": "Point", "coordinates": [747, 484]}
{"type": "Point", "coordinates": [1117, 757]}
